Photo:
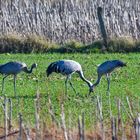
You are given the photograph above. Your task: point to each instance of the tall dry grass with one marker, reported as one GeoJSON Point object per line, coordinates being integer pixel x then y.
{"type": "Point", "coordinates": [64, 20]}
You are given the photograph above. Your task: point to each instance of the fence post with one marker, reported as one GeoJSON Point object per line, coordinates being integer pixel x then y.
{"type": "Point", "coordinates": [137, 127]}
{"type": "Point", "coordinates": [20, 127]}
{"type": "Point", "coordinates": [99, 108]}
{"type": "Point", "coordinates": [51, 111]}
{"type": "Point", "coordinates": [5, 118]}
{"type": "Point", "coordinates": [102, 26]}
{"type": "Point", "coordinates": [81, 127]}
{"type": "Point", "coordinates": [63, 122]}
{"type": "Point", "coordinates": [10, 115]}
{"type": "Point", "coordinates": [37, 125]}
{"type": "Point", "coordinates": [114, 128]}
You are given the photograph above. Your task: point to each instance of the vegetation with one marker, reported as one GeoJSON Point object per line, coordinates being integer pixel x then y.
{"type": "Point", "coordinates": [124, 82]}
{"type": "Point", "coordinates": [61, 21]}
{"type": "Point", "coordinates": [36, 44]}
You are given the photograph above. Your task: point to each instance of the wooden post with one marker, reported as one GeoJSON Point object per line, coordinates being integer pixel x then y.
{"type": "Point", "coordinates": [81, 127]}
{"type": "Point", "coordinates": [119, 115]}
{"type": "Point", "coordinates": [99, 108]}
{"type": "Point", "coordinates": [5, 118]}
{"type": "Point", "coordinates": [63, 122]}
{"type": "Point", "coordinates": [137, 127]}
{"type": "Point", "coordinates": [54, 120]}
{"type": "Point", "coordinates": [37, 125]}
{"type": "Point", "coordinates": [102, 26]}
{"type": "Point", "coordinates": [10, 115]}
{"type": "Point", "coordinates": [20, 127]}
{"type": "Point", "coordinates": [114, 129]}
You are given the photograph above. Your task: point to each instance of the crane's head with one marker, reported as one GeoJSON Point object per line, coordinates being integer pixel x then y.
{"type": "Point", "coordinates": [121, 64]}
{"type": "Point", "coordinates": [91, 89]}
{"type": "Point", "coordinates": [34, 65]}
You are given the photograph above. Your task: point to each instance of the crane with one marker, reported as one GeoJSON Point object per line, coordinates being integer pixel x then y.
{"type": "Point", "coordinates": [68, 67]}
{"type": "Point", "coordinates": [13, 68]}
{"type": "Point", "coordinates": [106, 68]}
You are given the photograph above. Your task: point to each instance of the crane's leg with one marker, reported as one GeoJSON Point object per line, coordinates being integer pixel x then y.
{"type": "Point", "coordinates": [108, 93]}
{"type": "Point", "coordinates": [108, 82]}
{"type": "Point", "coordinates": [15, 85]}
{"type": "Point", "coordinates": [66, 84]}
{"type": "Point", "coordinates": [3, 83]}
{"type": "Point", "coordinates": [72, 86]}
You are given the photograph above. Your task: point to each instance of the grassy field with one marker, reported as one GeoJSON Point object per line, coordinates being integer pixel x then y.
{"type": "Point", "coordinates": [124, 82]}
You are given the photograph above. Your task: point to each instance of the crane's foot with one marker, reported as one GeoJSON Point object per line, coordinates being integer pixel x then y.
{"type": "Point", "coordinates": [108, 93]}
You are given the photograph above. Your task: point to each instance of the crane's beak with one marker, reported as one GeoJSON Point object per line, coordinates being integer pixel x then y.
{"type": "Point", "coordinates": [91, 89]}
{"type": "Point", "coordinates": [125, 64]}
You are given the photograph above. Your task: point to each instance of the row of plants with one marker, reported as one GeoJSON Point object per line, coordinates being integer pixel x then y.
{"type": "Point", "coordinates": [36, 44]}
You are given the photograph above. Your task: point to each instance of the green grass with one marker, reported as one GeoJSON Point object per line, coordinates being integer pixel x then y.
{"type": "Point", "coordinates": [124, 82]}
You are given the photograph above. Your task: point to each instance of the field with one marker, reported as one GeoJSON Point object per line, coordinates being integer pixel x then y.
{"type": "Point", "coordinates": [124, 83]}
{"type": "Point", "coordinates": [89, 32]}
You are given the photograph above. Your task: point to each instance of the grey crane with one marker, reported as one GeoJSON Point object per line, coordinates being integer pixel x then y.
{"type": "Point", "coordinates": [13, 68]}
{"type": "Point", "coordinates": [68, 67]}
{"type": "Point", "coordinates": [106, 68]}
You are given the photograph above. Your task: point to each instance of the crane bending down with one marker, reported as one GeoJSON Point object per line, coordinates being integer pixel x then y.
{"type": "Point", "coordinates": [13, 68]}
{"type": "Point", "coordinates": [105, 69]}
{"type": "Point", "coordinates": [68, 67]}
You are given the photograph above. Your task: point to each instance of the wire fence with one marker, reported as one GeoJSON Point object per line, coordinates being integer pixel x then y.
{"type": "Point", "coordinates": [64, 20]}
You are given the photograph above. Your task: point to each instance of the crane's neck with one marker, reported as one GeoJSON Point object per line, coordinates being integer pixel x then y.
{"type": "Point", "coordinates": [28, 71]}
{"type": "Point", "coordinates": [1, 68]}
{"type": "Point", "coordinates": [97, 81]}
{"type": "Point", "coordinates": [84, 79]}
